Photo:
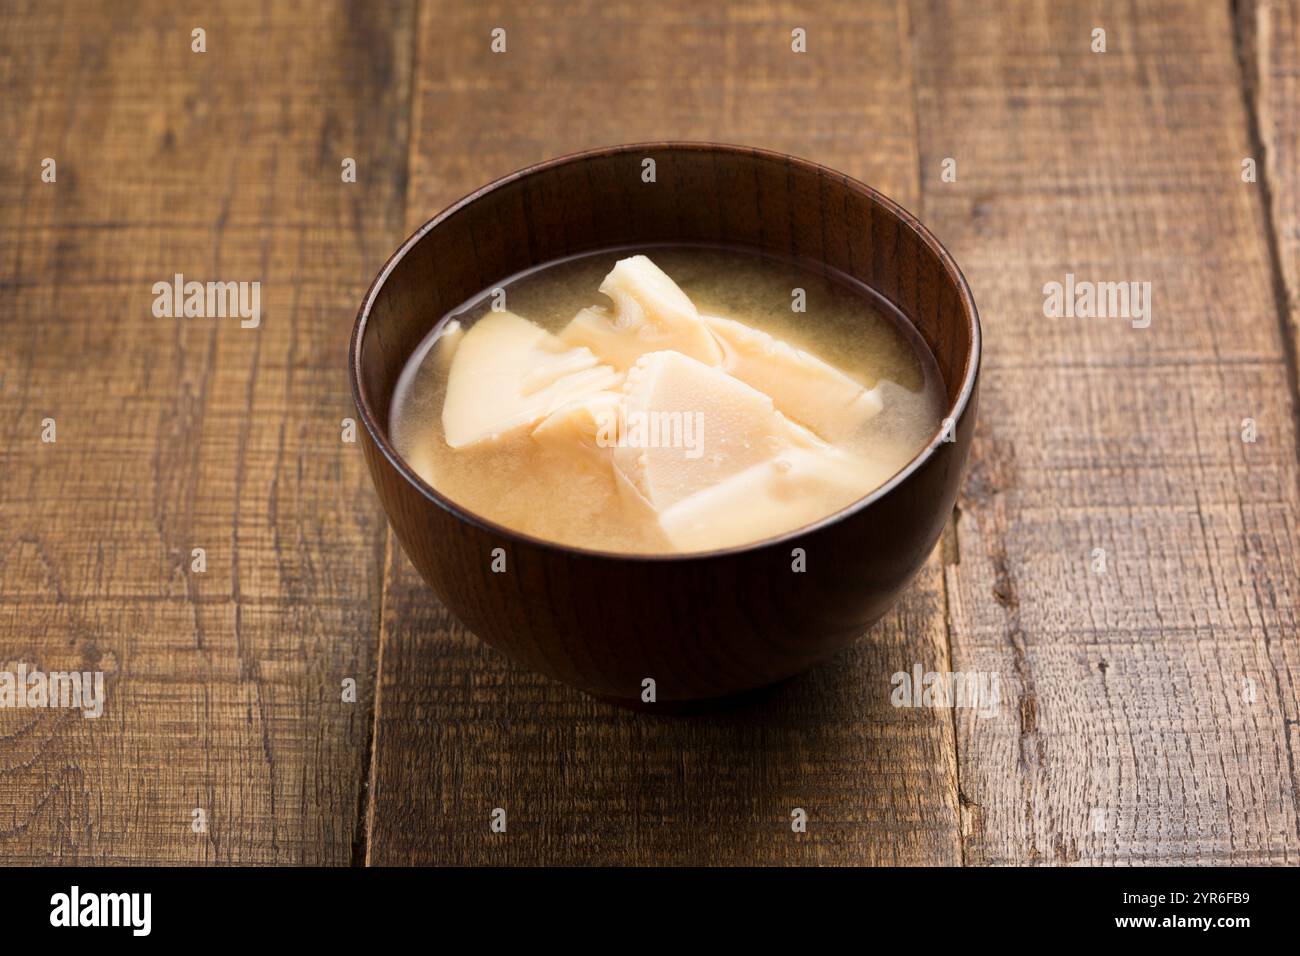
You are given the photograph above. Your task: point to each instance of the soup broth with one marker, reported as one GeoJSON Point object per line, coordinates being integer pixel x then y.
{"type": "Point", "coordinates": [712, 397]}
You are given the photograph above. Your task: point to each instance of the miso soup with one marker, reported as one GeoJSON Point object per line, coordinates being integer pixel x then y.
{"type": "Point", "coordinates": [667, 399]}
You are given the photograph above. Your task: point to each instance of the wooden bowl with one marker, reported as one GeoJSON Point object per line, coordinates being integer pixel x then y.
{"type": "Point", "coordinates": [702, 625]}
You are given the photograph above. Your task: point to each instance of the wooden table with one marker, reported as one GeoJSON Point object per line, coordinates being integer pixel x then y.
{"type": "Point", "coordinates": [1149, 711]}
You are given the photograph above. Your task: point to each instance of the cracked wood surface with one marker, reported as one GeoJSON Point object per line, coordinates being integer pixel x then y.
{"type": "Point", "coordinates": [1148, 709]}
{"type": "Point", "coordinates": [1149, 712]}
{"type": "Point", "coordinates": [223, 686]}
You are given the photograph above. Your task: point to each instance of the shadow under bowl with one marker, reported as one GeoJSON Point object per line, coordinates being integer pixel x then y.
{"type": "Point", "coordinates": [705, 625]}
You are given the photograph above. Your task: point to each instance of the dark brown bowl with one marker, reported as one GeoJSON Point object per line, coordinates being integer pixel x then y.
{"type": "Point", "coordinates": [701, 625]}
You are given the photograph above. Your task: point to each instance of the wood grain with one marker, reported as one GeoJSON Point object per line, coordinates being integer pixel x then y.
{"type": "Point", "coordinates": [460, 732]}
{"type": "Point", "coordinates": [1268, 40]}
{"type": "Point", "coordinates": [1151, 710]}
{"type": "Point", "coordinates": [224, 688]}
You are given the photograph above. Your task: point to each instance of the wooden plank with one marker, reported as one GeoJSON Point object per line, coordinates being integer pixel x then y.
{"type": "Point", "coordinates": [1151, 708]}
{"type": "Point", "coordinates": [459, 731]}
{"type": "Point", "coordinates": [223, 687]}
{"type": "Point", "coordinates": [1268, 34]}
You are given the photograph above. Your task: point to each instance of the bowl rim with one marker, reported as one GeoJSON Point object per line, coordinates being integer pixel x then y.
{"type": "Point", "coordinates": [378, 435]}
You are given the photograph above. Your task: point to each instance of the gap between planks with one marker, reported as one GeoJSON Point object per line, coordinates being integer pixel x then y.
{"type": "Point", "coordinates": [365, 819]}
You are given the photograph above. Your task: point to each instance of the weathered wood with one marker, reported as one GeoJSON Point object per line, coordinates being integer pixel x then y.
{"type": "Point", "coordinates": [1268, 40]}
{"type": "Point", "coordinates": [224, 687]}
{"type": "Point", "coordinates": [1150, 712]}
{"type": "Point", "coordinates": [459, 732]}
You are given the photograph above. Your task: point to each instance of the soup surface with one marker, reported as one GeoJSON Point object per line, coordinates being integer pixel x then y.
{"type": "Point", "coordinates": [708, 397]}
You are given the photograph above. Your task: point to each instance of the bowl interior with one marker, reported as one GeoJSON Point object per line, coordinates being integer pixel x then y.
{"type": "Point", "coordinates": [699, 193]}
